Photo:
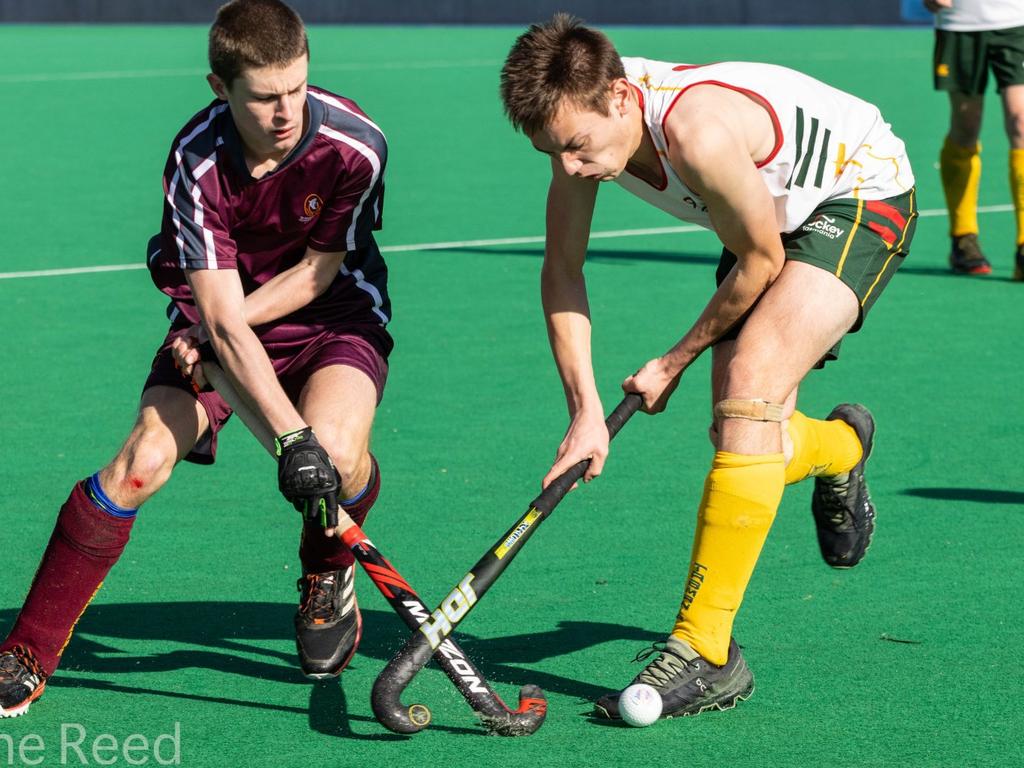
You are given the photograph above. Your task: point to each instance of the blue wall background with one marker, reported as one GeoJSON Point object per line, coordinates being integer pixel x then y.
{"type": "Point", "coordinates": [655, 12]}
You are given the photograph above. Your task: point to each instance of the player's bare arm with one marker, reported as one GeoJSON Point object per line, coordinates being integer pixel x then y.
{"type": "Point", "coordinates": [570, 206]}
{"type": "Point", "coordinates": [221, 303]}
{"type": "Point", "coordinates": [278, 297]}
{"type": "Point", "coordinates": [715, 142]}
{"type": "Point", "coordinates": [294, 288]}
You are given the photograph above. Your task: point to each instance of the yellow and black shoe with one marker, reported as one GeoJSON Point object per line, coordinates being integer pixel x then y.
{"type": "Point", "coordinates": [687, 682]}
{"type": "Point", "coordinates": [1018, 264]}
{"type": "Point", "coordinates": [22, 681]}
{"type": "Point", "coordinates": [328, 624]}
{"type": "Point", "coordinates": [966, 258]}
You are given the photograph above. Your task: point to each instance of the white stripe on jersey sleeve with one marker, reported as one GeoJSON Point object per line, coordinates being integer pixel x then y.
{"type": "Point", "coordinates": [338, 105]}
{"type": "Point", "coordinates": [374, 161]}
{"type": "Point", "coordinates": [173, 187]}
{"type": "Point", "coordinates": [370, 288]}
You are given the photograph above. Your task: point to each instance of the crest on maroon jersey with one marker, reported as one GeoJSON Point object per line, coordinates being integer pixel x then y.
{"type": "Point", "coordinates": [311, 206]}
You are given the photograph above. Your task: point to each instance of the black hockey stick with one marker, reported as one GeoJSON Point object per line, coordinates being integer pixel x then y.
{"type": "Point", "coordinates": [406, 603]}
{"type": "Point", "coordinates": [386, 698]}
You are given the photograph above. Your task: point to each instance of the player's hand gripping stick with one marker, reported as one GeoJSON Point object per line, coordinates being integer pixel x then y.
{"type": "Point", "coordinates": [433, 632]}
{"type": "Point", "coordinates": [306, 475]}
{"type": "Point", "coordinates": [407, 604]}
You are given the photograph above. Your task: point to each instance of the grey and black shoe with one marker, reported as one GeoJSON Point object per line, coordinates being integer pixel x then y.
{"type": "Point", "coordinates": [687, 682]}
{"type": "Point", "coordinates": [328, 624]}
{"type": "Point", "coordinates": [22, 681]}
{"type": "Point", "coordinates": [842, 508]}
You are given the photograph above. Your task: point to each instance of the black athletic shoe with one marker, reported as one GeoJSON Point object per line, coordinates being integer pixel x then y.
{"type": "Point", "coordinates": [21, 681]}
{"type": "Point", "coordinates": [1018, 264]}
{"type": "Point", "coordinates": [328, 624]}
{"type": "Point", "coordinates": [688, 683]}
{"type": "Point", "coordinates": [841, 505]}
{"type": "Point", "coordinates": [966, 258]}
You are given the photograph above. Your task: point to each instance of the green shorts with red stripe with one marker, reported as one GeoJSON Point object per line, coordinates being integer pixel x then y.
{"type": "Point", "coordinates": [862, 242]}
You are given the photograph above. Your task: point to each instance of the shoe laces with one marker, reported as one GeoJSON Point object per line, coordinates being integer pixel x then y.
{"type": "Point", "coordinates": [319, 588]}
{"type": "Point", "coordinates": [834, 493]}
{"type": "Point", "coordinates": [659, 672]}
{"type": "Point", "coordinates": [19, 660]}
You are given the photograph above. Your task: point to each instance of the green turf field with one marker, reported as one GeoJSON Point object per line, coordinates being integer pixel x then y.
{"type": "Point", "coordinates": [909, 660]}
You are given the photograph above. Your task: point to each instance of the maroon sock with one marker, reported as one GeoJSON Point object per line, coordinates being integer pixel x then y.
{"type": "Point", "coordinates": [319, 553]}
{"type": "Point", "coordinates": [84, 545]}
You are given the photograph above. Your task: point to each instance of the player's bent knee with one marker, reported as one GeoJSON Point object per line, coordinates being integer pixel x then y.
{"type": "Point", "coordinates": [144, 464]}
{"type": "Point", "coordinates": [351, 460]}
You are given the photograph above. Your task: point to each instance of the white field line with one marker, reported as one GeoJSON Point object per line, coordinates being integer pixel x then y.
{"type": "Point", "coordinates": [457, 244]}
{"type": "Point", "coordinates": [135, 74]}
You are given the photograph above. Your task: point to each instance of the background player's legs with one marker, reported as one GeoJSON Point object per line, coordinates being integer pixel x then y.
{"type": "Point", "coordinates": [95, 522]}
{"type": "Point", "coordinates": [960, 168]}
{"type": "Point", "coordinates": [965, 118]}
{"type": "Point", "coordinates": [804, 313]}
{"type": "Point", "coordinates": [1013, 112]}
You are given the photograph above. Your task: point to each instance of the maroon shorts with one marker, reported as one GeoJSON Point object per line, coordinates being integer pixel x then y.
{"type": "Point", "coordinates": [295, 357]}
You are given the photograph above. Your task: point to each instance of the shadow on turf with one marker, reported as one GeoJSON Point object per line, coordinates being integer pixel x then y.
{"type": "Point", "coordinates": [225, 637]}
{"type": "Point", "coordinates": [982, 495]}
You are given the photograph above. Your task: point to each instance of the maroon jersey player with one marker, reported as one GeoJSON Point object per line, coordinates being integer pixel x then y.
{"type": "Point", "coordinates": [266, 251]}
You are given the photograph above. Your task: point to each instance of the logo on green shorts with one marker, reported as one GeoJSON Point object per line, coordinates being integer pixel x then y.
{"type": "Point", "coordinates": [824, 225]}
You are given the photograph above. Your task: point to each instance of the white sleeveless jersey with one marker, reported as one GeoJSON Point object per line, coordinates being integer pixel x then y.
{"type": "Point", "coordinates": [981, 15]}
{"type": "Point", "coordinates": [828, 144]}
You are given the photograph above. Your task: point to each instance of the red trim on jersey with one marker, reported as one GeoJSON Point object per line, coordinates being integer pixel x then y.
{"type": "Point", "coordinates": [883, 232]}
{"type": "Point", "coordinates": [887, 211]}
{"type": "Point", "coordinates": [776, 125]}
{"type": "Point", "coordinates": [664, 176]}
{"type": "Point", "coordinates": [684, 67]}
{"type": "Point", "coordinates": [639, 95]}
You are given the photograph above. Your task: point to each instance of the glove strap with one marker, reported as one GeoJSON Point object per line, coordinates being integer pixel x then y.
{"type": "Point", "coordinates": [289, 439]}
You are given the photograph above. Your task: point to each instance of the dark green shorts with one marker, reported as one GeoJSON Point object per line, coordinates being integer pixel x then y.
{"type": "Point", "coordinates": [862, 242]}
{"type": "Point", "coordinates": [963, 59]}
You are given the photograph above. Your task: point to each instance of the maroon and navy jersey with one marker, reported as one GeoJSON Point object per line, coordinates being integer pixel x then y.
{"type": "Point", "coordinates": [327, 194]}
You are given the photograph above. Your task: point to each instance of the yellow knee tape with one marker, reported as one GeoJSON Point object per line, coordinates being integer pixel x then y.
{"type": "Point", "coordinates": [753, 410]}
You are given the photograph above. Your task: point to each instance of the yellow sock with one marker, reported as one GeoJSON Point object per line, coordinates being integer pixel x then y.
{"type": "Point", "coordinates": [821, 448]}
{"type": "Point", "coordinates": [1017, 189]}
{"type": "Point", "coordinates": [741, 496]}
{"type": "Point", "coordinates": [960, 168]}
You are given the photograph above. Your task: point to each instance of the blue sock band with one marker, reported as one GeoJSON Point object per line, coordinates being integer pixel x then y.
{"type": "Point", "coordinates": [369, 483]}
{"type": "Point", "coordinates": [357, 497]}
{"type": "Point", "coordinates": [94, 491]}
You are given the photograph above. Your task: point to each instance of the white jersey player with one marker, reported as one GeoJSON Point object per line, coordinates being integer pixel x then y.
{"type": "Point", "coordinates": [828, 144]}
{"type": "Point", "coordinates": [812, 196]}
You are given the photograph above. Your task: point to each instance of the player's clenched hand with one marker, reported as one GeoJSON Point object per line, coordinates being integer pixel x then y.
{"type": "Point", "coordinates": [937, 5]}
{"type": "Point", "coordinates": [586, 438]}
{"type": "Point", "coordinates": [306, 476]}
{"type": "Point", "coordinates": [655, 382]}
{"type": "Point", "coordinates": [185, 349]}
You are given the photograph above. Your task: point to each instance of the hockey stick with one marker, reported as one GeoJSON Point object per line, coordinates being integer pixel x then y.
{"type": "Point", "coordinates": [386, 698]}
{"type": "Point", "coordinates": [406, 603]}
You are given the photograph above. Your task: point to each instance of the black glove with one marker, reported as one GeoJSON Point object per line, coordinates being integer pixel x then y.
{"type": "Point", "coordinates": [306, 476]}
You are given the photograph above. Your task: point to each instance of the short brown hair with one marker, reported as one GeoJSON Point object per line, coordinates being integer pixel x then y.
{"type": "Point", "coordinates": [249, 34]}
{"type": "Point", "coordinates": [559, 59]}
